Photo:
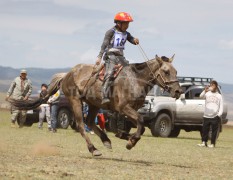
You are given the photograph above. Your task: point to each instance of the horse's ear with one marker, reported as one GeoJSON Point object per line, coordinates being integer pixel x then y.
{"type": "Point", "coordinates": [159, 59]}
{"type": "Point", "coordinates": [172, 58]}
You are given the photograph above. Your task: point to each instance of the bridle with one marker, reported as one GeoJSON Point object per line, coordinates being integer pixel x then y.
{"type": "Point", "coordinates": [158, 77]}
{"type": "Point", "coordinates": [163, 83]}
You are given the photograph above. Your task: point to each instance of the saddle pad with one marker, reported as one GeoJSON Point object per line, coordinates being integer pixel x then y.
{"type": "Point", "coordinates": [117, 70]}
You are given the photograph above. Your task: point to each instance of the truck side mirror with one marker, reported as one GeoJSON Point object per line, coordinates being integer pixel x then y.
{"type": "Point", "coordinates": [182, 97]}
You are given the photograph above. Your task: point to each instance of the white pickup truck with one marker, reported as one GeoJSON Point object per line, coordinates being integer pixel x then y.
{"type": "Point", "coordinates": [166, 116]}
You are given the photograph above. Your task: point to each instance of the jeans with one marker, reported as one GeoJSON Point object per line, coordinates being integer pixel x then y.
{"type": "Point", "coordinates": [54, 108]}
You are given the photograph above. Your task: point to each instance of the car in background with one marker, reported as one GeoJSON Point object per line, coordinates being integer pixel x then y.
{"type": "Point", "coordinates": [65, 116]}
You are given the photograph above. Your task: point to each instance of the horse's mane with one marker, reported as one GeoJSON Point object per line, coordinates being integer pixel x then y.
{"type": "Point", "coordinates": [137, 67]}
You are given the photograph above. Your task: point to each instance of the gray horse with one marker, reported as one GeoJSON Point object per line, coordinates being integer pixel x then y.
{"type": "Point", "coordinates": [127, 94]}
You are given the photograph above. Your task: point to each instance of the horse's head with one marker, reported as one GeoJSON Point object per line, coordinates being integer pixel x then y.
{"type": "Point", "coordinates": [166, 76]}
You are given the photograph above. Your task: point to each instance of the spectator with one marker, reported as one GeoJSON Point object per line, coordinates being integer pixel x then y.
{"type": "Point", "coordinates": [212, 114]}
{"type": "Point", "coordinates": [101, 120]}
{"type": "Point", "coordinates": [85, 113]}
{"type": "Point", "coordinates": [20, 89]}
{"type": "Point", "coordinates": [44, 109]}
{"type": "Point", "coordinates": [53, 101]}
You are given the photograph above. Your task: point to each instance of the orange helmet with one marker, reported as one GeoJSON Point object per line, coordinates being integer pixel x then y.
{"type": "Point", "coordinates": [123, 17]}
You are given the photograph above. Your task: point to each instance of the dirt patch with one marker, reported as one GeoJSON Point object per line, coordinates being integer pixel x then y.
{"type": "Point", "coordinates": [3, 146]}
{"type": "Point", "coordinates": [44, 149]}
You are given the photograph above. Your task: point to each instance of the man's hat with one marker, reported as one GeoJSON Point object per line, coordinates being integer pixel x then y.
{"type": "Point", "coordinates": [23, 71]}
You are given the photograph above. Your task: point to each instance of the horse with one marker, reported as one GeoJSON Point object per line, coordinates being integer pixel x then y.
{"type": "Point", "coordinates": [127, 94]}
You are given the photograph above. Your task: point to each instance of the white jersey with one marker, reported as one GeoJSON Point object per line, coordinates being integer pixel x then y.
{"type": "Point", "coordinates": [213, 104]}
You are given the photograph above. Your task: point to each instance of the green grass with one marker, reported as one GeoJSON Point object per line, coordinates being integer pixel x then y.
{"type": "Point", "coordinates": [30, 153]}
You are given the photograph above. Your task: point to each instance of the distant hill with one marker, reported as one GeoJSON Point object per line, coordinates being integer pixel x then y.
{"type": "Point", "coordinates": [36, 75]}
{"type": "Point", "coordinates": [42, 75]}
{"type": "Point", "coordinates": [226, 88]}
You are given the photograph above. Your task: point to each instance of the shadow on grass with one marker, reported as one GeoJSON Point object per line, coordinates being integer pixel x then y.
{"type": "Point", "coordinates": [188, 138]}
{"type": "Point", "coordinates": [136, 162]}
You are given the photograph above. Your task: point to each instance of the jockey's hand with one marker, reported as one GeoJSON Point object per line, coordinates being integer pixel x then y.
{"type": "Point", "coordinates": [136, 40]}
{"type": "Point", "coordinates": [25, 98]}
{"type": "Point", "coordinates": [98, 60]}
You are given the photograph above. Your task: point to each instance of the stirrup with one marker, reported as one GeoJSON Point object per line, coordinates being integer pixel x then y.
{"type": "Point", "coordinates": [105, 101]}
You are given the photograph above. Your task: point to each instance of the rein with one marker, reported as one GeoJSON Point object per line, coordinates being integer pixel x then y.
{"type": "Point", "coordinates": [163, 83]}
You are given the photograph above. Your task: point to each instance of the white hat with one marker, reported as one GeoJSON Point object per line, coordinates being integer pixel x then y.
{"type": "Point", "coordinates": [23, 71]}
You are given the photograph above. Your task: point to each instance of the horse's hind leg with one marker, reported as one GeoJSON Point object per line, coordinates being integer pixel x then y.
{"type": "Point", "coordinates": [92, 113]}
{"type": "Point", "coordinates": [77, 109]}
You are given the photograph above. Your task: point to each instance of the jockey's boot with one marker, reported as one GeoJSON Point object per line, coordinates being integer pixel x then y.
{"type": "Point", "coordinates": [105, 91]}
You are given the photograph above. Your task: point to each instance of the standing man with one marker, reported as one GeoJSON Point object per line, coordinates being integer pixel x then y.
{"type": "Point", "coordinates": [212, 114]}
{"type": "Point", "coordinates": [20, 89]}
{"type": "Point", "coordinates": [44, 109]}
{"type": "Point", "coordinates": [53, 101]}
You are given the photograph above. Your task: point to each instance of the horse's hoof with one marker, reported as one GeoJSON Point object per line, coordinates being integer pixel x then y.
{"type": "Point", "coordinates": [96, 153]}
{"type": "Point", "coordinates": [129, 145]}
{"type": "Point", "coordinates": [108, 145]}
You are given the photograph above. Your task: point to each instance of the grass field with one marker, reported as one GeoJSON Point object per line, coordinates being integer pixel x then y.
{"type": "Point", "coordinates": [30, 153]}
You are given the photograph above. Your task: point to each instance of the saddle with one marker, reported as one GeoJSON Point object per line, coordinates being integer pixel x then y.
{"type": "Point", "coordinates": [117, 69]}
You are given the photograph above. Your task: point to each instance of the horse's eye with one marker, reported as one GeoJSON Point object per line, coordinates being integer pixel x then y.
{"type": "Point", "coordinates": [167, 73]}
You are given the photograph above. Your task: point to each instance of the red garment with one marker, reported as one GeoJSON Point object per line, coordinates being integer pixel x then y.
{"type": "Point", "coordinates": [101, 120]}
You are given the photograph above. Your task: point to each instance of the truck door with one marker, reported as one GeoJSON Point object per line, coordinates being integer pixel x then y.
{"type": "Point", "coordinates": [191, 109]}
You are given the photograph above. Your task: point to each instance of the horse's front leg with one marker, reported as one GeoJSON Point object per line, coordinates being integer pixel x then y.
{"type": "Point", "coordinates": [137, 119]}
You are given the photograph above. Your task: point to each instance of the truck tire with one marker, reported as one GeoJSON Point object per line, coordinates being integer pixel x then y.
{"type": "Point", "coordinates": [63, 118]}
{"type": "Point", "coordinates": [175, 132]}
{"type": "Point", "coordinates": [161, 126]}
{"type": "Point", "coordinates": [27, 123]}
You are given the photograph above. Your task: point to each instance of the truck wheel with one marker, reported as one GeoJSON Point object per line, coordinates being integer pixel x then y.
{"type": "Point", "coordinates": [161, 126]}
{"type": "Point", "coordinates": [63, 118]}
{"type": "Point", "coordinates": [28, 123]}
{"type": "Point", "coordinates": [175, 132]}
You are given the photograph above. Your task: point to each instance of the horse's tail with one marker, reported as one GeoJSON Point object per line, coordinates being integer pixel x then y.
{"type": "Point", "coordinates": [54, 86]}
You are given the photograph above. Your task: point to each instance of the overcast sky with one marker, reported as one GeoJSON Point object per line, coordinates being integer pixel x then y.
{"type": "Point", "coordinates": [63, 33]}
